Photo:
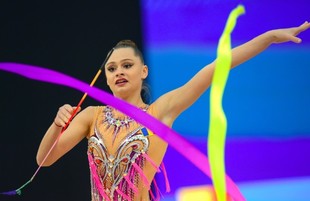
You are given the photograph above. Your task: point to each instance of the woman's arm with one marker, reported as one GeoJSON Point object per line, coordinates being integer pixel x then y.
{"type": "Point", "coordinates": [171, 104]}
{"type": "Point", "coordinates": [77, 130]}
{"type": "Point", "coordinates": [255, 46]}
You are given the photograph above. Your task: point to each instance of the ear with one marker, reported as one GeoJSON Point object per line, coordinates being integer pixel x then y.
{"type": "Point", "coordinates": [145, 72]}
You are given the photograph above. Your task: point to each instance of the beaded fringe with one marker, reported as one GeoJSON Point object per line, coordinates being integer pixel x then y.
{"type": "Point", "coordinates": [135, 169]}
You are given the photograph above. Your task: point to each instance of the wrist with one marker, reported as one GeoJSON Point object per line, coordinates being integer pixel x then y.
{"type": "Point", "coordinates": [270, 37]}
{"type": "Point", "coordinates": [275, 36]}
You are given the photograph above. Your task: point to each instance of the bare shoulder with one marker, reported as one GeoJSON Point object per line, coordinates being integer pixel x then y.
{"type": "Point", "coordinates": [87, 114]}
{"type": "Point", "coordinates": [90, 109]}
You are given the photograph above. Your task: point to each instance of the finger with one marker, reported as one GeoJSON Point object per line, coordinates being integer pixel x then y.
{"type": "Point", "coordinates": [64, 113]}
{"type": "Point", "coordinates": [304, 26]}
{"type": "Point", "coordinates": [301, 28]}
{"type": "Point", "coordinates": [58, 122]}
{"type": "Point", "coordinates": [71, 110]}
{"type": "Point", "coordinates": [62, 119]}
{"type": "Point", "coordinates": [67, 114]}
{"type": "Point", "coordinates": [298, 30]}
{"type": "Point", "coordinates": [68, 108]}
{"type": "Point", "coordinates": [295, 39]}
{"type": "Point", "coordinates": [75, 110]}
{"type": "Point", "coordinates": [79, 109]}
{"type": "Point", "coordinates": [306, 23]}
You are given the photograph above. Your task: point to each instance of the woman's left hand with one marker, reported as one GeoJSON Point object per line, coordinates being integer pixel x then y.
{"type": "Point", "coordinates": [288, 34]}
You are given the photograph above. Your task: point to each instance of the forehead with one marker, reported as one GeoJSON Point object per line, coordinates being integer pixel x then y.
{"type": "Point", "coordinates": [121, 54]}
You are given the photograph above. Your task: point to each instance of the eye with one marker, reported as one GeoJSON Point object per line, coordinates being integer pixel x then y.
{"type": "Point", "coordinates": [111, 68]}
{"type": "Point", "coordinates": [127, 65]}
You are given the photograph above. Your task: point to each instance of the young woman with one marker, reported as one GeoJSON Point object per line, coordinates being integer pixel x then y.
{"type": "Point", "coordinates": [123, 156]}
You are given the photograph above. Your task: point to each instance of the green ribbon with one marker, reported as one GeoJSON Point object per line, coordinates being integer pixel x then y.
{"type": "Point", "coordinates": [218, 121]}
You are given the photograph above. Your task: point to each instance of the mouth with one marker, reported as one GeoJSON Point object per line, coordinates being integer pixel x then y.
{"type": "Point", "coordinates": [121, 82]}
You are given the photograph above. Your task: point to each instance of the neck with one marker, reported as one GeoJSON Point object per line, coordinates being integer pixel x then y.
{"type": "Point", "coordinates": [134, 100]}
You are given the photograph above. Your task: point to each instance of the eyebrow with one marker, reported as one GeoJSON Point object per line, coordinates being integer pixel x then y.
{"type": "Point", "coordinates": [123, 60]}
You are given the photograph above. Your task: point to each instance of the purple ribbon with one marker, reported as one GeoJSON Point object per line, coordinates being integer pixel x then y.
{"type": "Point", "coordinates": [174, 139]}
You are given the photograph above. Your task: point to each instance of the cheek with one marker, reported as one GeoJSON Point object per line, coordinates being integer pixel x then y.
{"type": "Point", "coordinates": [108, 79]}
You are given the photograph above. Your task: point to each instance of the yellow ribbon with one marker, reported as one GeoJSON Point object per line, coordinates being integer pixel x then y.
{"type": "Point", "coordinates": [218, 122]}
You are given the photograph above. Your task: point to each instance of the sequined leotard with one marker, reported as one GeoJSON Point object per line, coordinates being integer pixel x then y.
{"type": "Point", "coordinates": [117, 153]}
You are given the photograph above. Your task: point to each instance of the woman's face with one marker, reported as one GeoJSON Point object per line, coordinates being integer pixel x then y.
{"type": "Point", "coordinates": [125, 72]}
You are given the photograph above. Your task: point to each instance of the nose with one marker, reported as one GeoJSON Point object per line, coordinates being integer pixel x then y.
{"type": "Point", "coordinates": [119, 72]}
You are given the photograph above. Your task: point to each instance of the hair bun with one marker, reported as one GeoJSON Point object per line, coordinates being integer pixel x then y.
{"type": "Point", "coordinates": [126, 43]}
{"type": "Point", "coordinates": [129, 44]}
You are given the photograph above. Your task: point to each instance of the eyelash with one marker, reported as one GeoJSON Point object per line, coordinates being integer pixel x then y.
{"type": "Point", "coordinates": [113, 68]}
{"type": "Point", "coordinates": [127, 65]}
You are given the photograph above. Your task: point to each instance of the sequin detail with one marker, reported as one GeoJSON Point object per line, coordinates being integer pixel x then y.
{"type": "Point", "coordinates": [112, 169]}
{"type": "Point", "coordinates": [116, 123]}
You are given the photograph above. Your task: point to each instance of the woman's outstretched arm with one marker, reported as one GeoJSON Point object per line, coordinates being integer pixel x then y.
{"type": "Point", "coordinates": [255, 46]}
{"type": "Point", "coordinates": [171, 104]}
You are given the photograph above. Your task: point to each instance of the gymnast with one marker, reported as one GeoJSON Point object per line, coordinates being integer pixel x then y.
{"type": "Point", "coordinates": [123, 155]}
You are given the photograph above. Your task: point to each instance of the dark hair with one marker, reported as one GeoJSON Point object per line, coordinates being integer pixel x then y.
{"type": "Point", "coordinates": [130, 44]}
{"type": "Point", "coordinates": [145, 93]}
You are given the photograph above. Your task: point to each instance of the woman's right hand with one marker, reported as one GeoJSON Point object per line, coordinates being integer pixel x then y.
{"type": "Point", "coordinates": [64, 114]}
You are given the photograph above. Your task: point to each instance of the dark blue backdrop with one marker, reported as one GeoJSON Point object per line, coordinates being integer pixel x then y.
{"type": "Point", "coordinates": [266, 100]}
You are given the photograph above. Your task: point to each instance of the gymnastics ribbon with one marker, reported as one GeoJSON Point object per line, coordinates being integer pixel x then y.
{"type": "Point", "coordinates": [171, 137]}
{"type": "Point", "coordinates": [218, 121]}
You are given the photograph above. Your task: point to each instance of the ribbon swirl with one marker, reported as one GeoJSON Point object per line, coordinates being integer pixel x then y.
{"type": "Point", "coordinates": [218, 121]}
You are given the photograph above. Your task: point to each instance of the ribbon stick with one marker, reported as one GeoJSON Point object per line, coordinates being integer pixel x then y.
{"type": "Point", "coordinates": [171, 137]}
{"type": "Point", "coordinates": [218, 121]}
{"type": "Point", "coordinates": [30, 74]}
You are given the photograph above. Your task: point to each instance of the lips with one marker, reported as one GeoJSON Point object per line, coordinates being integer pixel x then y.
{"type": "Point", "coordinates": [121, 81]}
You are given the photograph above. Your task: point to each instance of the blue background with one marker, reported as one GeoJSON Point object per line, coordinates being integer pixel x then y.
{"type": "Point", "coordinates": [264, 96]}
{"type": "Point", "coordinates": [266, 100]}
